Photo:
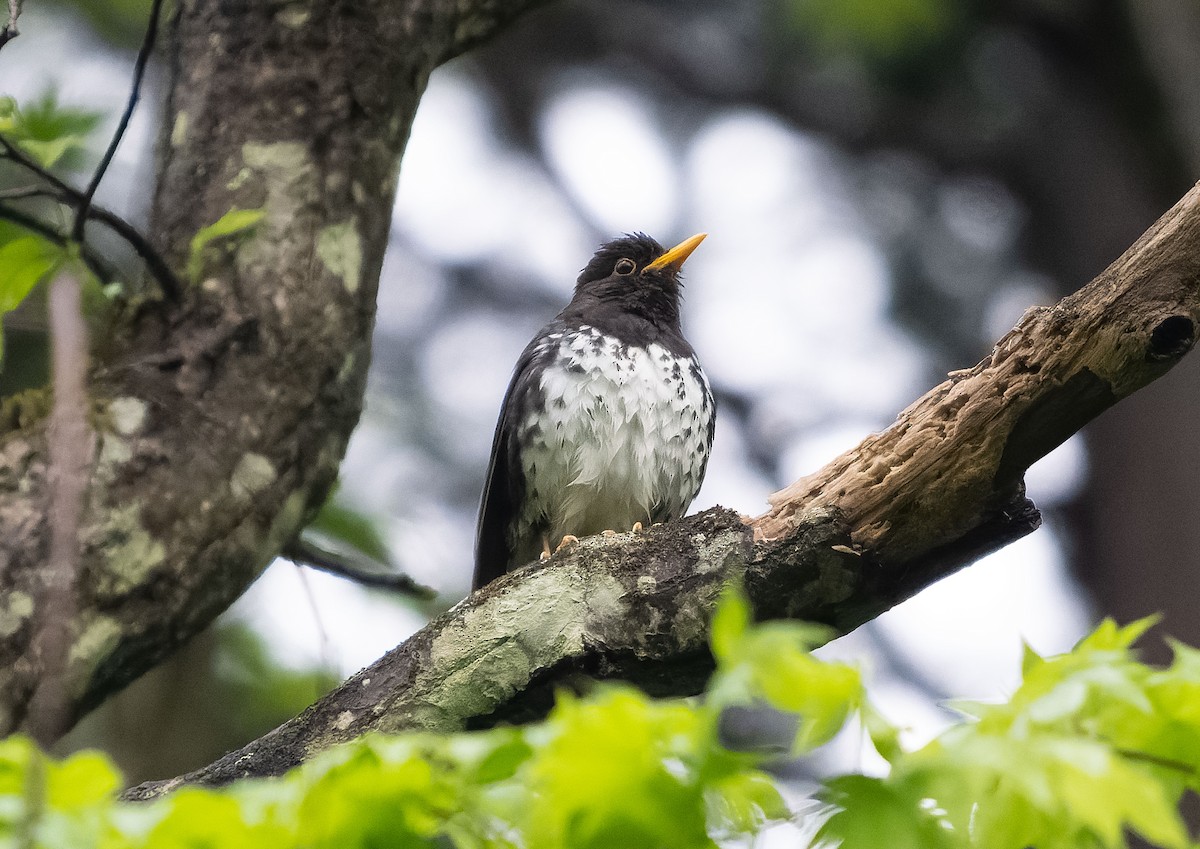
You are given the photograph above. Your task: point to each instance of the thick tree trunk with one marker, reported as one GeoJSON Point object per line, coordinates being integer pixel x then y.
{"type": "Point", "coordinates": [218, 426]}
{"type": "Point", "coordinates": [940, 487]}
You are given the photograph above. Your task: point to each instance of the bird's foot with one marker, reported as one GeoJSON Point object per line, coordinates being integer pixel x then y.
{"type": "Point", "coordinates": [568, 539]}
{"type": "Point", "coordinates": [545, 555]}
{"type": "Point", "coordinates": [636, 529]}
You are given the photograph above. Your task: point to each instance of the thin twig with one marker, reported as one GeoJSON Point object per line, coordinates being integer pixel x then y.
{"type": "Point", "coordinates": [9, 31]}
{"type": "Point", "coordinates": [328, 662]}
{"type": "Point", "coordinates": [306, 553]}
{"type": "Point", "coordinates": [139, 72]}
{"type": "Point", "coordinates": [22, 193]}
{"type": "Point", "coordinates": [11, 151]}
{"type": "Point", "coordinates": [168, 281]}
{"type": "Point", "coordinates": [1157, 760]}
{"type": "Point", "coordinates": [69, 451]}
{"type": "Point", "coordinates": [95, 263]}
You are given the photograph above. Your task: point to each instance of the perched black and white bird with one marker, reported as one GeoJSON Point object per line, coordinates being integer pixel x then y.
{"type": "Point", "coordinates": [608, 420]}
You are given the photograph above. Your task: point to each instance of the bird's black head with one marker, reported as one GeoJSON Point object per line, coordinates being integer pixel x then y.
{"type": "Point", "coordinates": [636, 275]}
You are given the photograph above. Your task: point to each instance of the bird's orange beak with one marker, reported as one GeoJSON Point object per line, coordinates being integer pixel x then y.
{"type": "Point", "coordinates": [674, 258]}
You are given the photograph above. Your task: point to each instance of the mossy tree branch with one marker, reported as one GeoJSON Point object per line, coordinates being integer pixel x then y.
{"type": "Point", "coordinates": [939, 488]}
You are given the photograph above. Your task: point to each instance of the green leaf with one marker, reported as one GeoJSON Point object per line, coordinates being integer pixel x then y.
{"type": "Point", "coordinates": [52, 134]}
{"type": "Point", "coordinates": [746, 801]}
{"type": "Point", "coordinates": [874, 814]}
{"type": "Point", "coordinates": [605, 778]}
{"type": "Point", "coordinates": [1108, 636]}
{"type": "Point", "coordinates": [234, 222]}
{"type": "Point", "coordinates": [730, 622]}
{"type": "Point", "coordinates": [85, 778]}
{"type": "Point", "coordinates": [772, 662]}
{"type": "Point", "coordinates": [50, 152]}
{"type": "Point", "coordinates": [885, 737]}
{"type": "Point", "coordinates": [199, 819]}
{"type": "Point", "coordinates": [371, 799]}
{"type": "Point", "coordinates": [349, 527]}
{"type": "Point", "coordinates": [1029, 658]}
{"type": "Point", "coordinates": [23, 263]}
{"type": "Point", "coordinates": [8, 114]}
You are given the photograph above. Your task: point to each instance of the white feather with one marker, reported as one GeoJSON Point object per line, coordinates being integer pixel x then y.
{"type": "Point", "coordinates": [623, 431]}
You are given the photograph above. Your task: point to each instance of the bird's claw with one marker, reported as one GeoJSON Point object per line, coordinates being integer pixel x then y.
{"type": "Point", "coordinates": [637, 527]}
{"type": "Point", "coordinates": [568, 539]}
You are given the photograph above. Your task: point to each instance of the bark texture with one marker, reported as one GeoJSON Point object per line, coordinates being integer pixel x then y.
{"type": "Point", "coordinates": [218, 426]}
{"type": "Point", "coordinates": [940, 487]}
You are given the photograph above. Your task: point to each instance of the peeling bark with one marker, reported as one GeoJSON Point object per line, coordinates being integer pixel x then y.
{"type": "Point", "coordinates": [220, 423]}
{"type": "Point", "coordinates": [912, 504]}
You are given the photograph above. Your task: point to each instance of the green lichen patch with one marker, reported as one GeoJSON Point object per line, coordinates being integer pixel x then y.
{"type": "Point", "coordinates": [114, 452]}
{"type": "Point", "coordinates": [286, 524]}
{"type": "Point", "coordinates": [179, 129]}
{"type": "Point", "coordinates": [293, 17]}
{"type": "Point", "coordinates": [15, 609]}
{"type": "Point", "coordinates": [340, 249]}
{"type": "Point", "coordinates": [130, 552]}
{"type": "Point", "coordinates": [127, 415]}
{"type": "Point", "coordinates": [349, 367]}
{"type": "Point", "coordinates": [253, 474]}
{"type": "Point", "coordinates": [275, 156]}
{"type": "Point", "coordinates": [97, 639]}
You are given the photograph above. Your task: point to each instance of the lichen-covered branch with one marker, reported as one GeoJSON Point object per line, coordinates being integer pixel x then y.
{"type": "Point", "coordinates": [219, 421]}
{"type": "Point", "coordinates": [939, 488]}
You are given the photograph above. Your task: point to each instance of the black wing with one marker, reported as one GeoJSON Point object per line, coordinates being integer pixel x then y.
{"type": "Point", "coordinates": [505, 486]}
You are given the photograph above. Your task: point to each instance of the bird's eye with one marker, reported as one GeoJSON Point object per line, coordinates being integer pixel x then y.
{"type": "Point", "coordinates": [625, 266]}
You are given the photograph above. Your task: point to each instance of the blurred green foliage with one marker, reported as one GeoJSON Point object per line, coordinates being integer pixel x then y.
{"type": "Point", "coordinates": [1093, 744]}
{"type": "Point", "coordinates": [900, 42]}
{"type": "Point", "coordinates": [343, 525]}
{"type": "Point", "coordinates": [56, 138]}
{"type": "Point", "coordinates": [120, 22]}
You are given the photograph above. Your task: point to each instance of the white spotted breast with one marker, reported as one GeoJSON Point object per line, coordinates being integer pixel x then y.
{"type": "Point", "coordinates": [620, 434]}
